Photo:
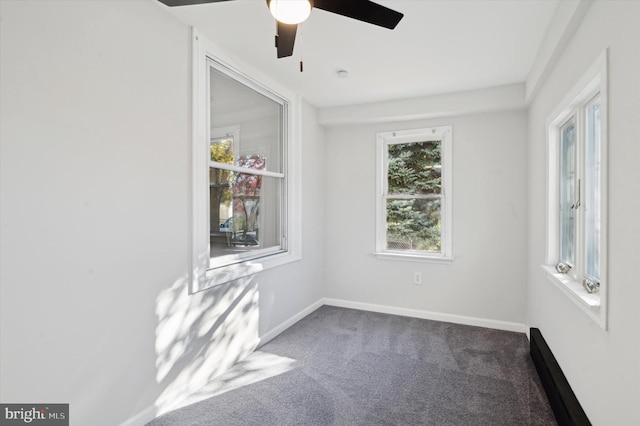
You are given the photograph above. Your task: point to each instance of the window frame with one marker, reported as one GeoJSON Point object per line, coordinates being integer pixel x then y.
{"type": "Point", "coordinates": [590, 89]}
{"type": "Point", "coordinates": [206, 272]}
{"type": "Point", "coordinates": [384, 139]}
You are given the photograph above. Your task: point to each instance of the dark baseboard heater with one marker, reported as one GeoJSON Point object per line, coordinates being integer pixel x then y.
{"type": "Point", "coordinates": [563, 401]}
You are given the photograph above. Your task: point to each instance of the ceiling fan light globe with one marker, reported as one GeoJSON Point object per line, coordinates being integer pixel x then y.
{"type": "Point", "coordinates": [290, 11]}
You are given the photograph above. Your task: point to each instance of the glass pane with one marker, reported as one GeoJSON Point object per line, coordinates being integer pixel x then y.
{"type": "Point", "coordinates": [592, 192]}
{"type": "Point", "coordinates": [414, 168]}
{"type": "Point", "coordinates": [259, 118]}
{"type": "Point", "coordinates": [567, 192]}
{"type": "Point", "coordinates": [414, 225]}
{"type": "Point", "coordinates": [254, 162]}
{"type": "Point", "coordinates": [221, 150]}
{"type": "Point", "coordinates": [245, 213]}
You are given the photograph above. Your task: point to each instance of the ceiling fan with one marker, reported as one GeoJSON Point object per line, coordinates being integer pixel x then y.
{"type": "Point", "coordinates": [289, 13]}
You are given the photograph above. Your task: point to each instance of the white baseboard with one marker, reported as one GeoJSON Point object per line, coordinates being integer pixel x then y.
{"type": "Point", "coordinates": [269, 335]}
{"type": "Point", "coordinates": [436, 316]}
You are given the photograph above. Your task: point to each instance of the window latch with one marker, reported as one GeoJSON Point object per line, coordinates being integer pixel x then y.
{"type": "Point", "coordinates": [563, 268]}
{"type": "Point", "coordinates": [592, 286]}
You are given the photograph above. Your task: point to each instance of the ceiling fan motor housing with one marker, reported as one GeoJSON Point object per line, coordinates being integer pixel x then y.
{"type": "Point", "coordinates": [290, 11]}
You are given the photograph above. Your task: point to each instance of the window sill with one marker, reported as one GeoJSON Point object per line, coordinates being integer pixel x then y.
{"type": "Point", "coordinates": [226, 274]}
{"type": "Point", "coordinates": [589, 303]}
{"type": "Point", "coordinates": [414, 257]}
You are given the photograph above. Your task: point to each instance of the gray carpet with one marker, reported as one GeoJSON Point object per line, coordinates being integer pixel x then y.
{"type": "Point", "coordinates": [346, 367]}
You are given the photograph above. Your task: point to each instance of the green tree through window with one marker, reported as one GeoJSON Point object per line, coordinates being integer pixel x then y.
{"type": "Point", "coordinates": [413, 201]}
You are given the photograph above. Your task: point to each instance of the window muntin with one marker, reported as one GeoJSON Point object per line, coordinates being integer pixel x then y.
{"type": "Point", "coordinates": [414, 210]}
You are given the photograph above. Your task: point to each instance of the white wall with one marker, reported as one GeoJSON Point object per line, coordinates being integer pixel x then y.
{"type": "Point", "coordinates": [95, 208]}
{"type": "Point", "coordinates": [602, 367]}
{"type": "Point", "coordinates": [486, 280]}
{"type": "Point", "coordinates": [286, 291]}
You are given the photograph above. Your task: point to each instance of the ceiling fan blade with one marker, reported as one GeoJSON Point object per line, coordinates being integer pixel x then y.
{"type": "Point", "coordinates": [362, 10]}
{"type": "Point", "coordinates": [285, 39]}
{"type": "Point", "coordinates": [172, 3]}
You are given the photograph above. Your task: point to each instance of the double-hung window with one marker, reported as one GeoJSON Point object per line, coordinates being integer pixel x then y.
{"type": "Point", "coordinates": [414, 194]}
{"type": "Point", "coordinates": [245, 199]}
{"type": "Point", "coordinates": [245, 165]}
{"type": "Point", "coordinates": [577, 152]}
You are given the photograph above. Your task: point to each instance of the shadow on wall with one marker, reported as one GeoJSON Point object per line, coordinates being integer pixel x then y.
{"type": "Point", "coordinates": [200, 336]}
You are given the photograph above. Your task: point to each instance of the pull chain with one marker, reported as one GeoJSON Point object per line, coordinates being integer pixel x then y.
{"type": "Point", "coordinates": [301, 48]}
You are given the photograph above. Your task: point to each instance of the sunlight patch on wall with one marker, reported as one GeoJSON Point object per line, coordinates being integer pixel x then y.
{"type": "Point", "coordinates": [200, 336]}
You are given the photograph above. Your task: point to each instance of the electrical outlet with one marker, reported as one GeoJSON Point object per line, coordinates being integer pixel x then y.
{"type": "Point", "coordinates": [417, 278]}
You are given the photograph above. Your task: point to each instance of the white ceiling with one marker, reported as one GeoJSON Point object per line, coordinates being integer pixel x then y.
{"type": "Point", "coordinates": [440, 46]}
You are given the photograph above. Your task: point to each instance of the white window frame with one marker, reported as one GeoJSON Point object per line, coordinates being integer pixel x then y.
{"type": "Point", "coordinates": [206, 272]}
{"type": "Point", "coordinates": [440, 133]}
{"type": "Point", "coordinates": [592, 85]}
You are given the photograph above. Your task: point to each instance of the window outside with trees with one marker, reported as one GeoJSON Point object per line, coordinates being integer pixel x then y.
{"type": "Point", "coordinates": [414, 184]}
